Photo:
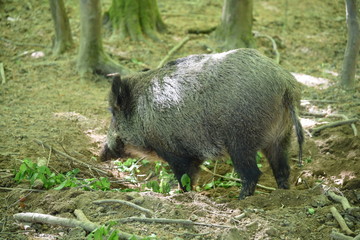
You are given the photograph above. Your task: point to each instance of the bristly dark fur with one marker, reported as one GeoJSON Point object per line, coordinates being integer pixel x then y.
{"type": "Point", "coordinates": [121, 94]}
{"type": "Point", "coordinates": [203, 106]}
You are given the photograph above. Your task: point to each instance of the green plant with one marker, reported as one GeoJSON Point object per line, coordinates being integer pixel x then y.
{"type": "Point", "coordinates": [221, 182]}
{"type": "Point", "coordinates": [29, 171]}
{"type": "Point", "coordinates": [131, 166]}
{"type": "Point", "coordinates": [311, 211]}
{"type": "Point", "coordinates": [163, 185]}
{"type": "Point", "coordinates": [259, 159]}
{"type": "Point", "coordinates": [308, 160]}
{"type": "Point", "coordinates": [104, 232]}
{"type": "Point", "coordinates": [186, 182]}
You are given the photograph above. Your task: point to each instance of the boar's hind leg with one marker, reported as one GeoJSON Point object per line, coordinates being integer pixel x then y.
{"type": "Point", "coordinates": [244, 161]}
{"type": "Point", "coordinates": [182, 165]}
{"type": "Point", "coordinates": [277, 155]}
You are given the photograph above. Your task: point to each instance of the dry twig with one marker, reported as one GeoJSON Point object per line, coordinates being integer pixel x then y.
{"type": "Point", "coordinates": [69, 157]}
{"type": "Point", "coordinates": [65, 222]}
{"type": "Point", "coordinates": [148, 212]}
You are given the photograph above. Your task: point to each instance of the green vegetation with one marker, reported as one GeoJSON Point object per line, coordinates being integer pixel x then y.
{"type": "Point", "coordinates": [33, 173]}
{"type": "Point", "coordinates": [163, 185]}
{"type": "Point", "coordinates": [131, 166]}
{"type": "Point", "coordinates": [222, 183]}
{"type": "Point", "coordinates": [104, 232]}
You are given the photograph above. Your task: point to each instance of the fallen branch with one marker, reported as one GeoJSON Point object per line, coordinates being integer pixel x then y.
{"type": "Point", "coordinates": [172, 51]}
{"type": "Point", "coordinates": [277, 54]}
{"type": "Point", "coordinates": [49, 219]}
{"type": "Point", "coordinates": [81, 216]}
{"type": "Point", "coordinates": [341, 221]}
{"type": "Point", "coordinates": [148, 212]}
{"type": "Point", "coordinates": [201, 31]}
{"type": "Point", "coordinates": [168, 221]}
{"type": "Point", "coordinates": [316, 131]}
{"type": "Point", "coordinates": [69, 157]}
{"type": "Point", "coordinates": [235, 179]}
{"type": "Point", "coordinates": [65, 222]}
{"type": "Point", "coordinates": [339, 236]}
{"type": "Point", "coordinates": [343, 200]}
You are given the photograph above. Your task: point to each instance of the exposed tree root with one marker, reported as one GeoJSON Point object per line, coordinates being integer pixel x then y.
{"type": "Point", "coordinates": [341, 221]}
{"type": "Point", "coordinates": [169, 221]}
{"type": "Point", "coordinates": [201, 31]}
{"type": "Point", "coordinates": [274, 45]}
{"type": "Point", "coordinates": [173, 50]}
{"type": "Point", "coordinates": [339, 236]}
{"type": "Point", "coordinates": [343, 200]}
{"type": "Point", "coordinates": [316, 131]}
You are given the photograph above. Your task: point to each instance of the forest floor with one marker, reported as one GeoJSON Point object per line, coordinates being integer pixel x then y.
{"type": "Point", "coordinates": [45, 99]}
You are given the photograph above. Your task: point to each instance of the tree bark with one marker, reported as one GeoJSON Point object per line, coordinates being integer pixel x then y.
{"type": "Point", "coordinates": [235, 28]}
{"type": "Point", "coordinates": [92, 57]}
{"type": "Point", "coordinates": [347, 78]}
{"type": "Point", "coordinates": [135, 19]}
{"type": "Point", "coordinates": [63, 38]}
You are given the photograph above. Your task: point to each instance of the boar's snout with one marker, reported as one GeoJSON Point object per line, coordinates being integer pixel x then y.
{"type": "Point", "coordinates": [108, 154]}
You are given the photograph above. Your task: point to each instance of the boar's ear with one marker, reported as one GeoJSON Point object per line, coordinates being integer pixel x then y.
{"type": "Point", "coordinates": [121, 95]}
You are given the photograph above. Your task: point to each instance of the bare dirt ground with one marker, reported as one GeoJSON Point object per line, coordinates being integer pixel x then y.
{"type": "Point", "coordinates": [44, 98]}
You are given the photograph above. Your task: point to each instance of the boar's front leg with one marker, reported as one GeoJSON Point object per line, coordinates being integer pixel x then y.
{"type": "Point", "coordinates": [181, 165]}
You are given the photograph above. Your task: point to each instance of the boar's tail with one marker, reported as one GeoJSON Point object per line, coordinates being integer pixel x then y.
{"type": "Point", "coordinates": [299, 131]}
{"type": "Point", "coordinates": [298, 128]}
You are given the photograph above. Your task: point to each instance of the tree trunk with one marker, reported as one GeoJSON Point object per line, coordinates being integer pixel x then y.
{"type": "Point", "coordinates": [135, 19]}
{"type": "Point", "coordinates": [236, 25]}
{"type": "Point", "coordinates": [347, 78]}
{"type": "Point", "coordinates": [63, 39]}
{"type": "Point", "coordinates": [92, 57]}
